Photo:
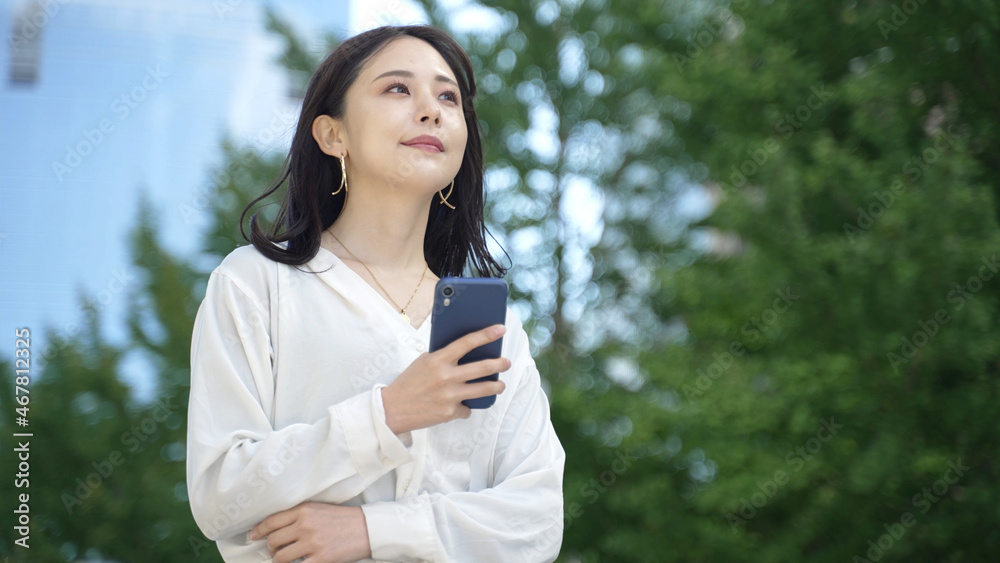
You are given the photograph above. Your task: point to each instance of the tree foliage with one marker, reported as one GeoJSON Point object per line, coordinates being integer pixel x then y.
{"type": "Point", "coordinates": [824, 371]}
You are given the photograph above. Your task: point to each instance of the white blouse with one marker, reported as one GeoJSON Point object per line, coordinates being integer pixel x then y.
{"type": "Point", "coordinates": [286, 407]}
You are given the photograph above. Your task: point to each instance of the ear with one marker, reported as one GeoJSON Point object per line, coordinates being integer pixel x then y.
{"type": "Point", "coordinates": [328, 133]}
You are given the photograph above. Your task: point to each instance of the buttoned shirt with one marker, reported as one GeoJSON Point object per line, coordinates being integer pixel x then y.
{"type": "Point", "coordinates": [287, 367]}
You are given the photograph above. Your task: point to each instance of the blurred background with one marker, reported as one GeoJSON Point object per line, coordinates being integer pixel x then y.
{"type": "Point", "coordinates": [755, 245]}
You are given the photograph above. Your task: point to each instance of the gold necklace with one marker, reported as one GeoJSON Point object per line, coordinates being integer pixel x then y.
{"type": "Point", "coordinates": [402, 310]}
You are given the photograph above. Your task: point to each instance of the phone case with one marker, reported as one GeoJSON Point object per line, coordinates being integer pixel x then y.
{"type": "Point", "coordinates": [473, 304]}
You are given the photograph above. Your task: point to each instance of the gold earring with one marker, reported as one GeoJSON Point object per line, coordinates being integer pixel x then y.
{"type": "Point", "coordinates": [444, 198]}
{"type": "Point", "coordinates": [343, 176]}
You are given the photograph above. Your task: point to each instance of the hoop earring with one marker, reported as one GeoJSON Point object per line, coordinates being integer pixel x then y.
{"type": "Point", "coordinates": [444, 198]}
{"type": "Point", "coordinates": [343, 176]}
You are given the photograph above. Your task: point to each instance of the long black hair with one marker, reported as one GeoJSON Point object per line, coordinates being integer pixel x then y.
{"type": "Point", "coordinates": [453, 237]}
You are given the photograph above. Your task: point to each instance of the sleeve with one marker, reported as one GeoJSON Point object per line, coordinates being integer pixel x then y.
{"type": "Point", "coordinates": [240, 470]}
{"type": "Point", "coordinates": [520, 518]}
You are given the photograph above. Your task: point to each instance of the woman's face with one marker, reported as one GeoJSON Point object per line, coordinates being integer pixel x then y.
{"type": "Point", "coordinates": [405, 91]}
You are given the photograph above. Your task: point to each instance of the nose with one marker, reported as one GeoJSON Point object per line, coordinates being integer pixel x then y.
{"type": "Point", "coordinates": [429, 110]}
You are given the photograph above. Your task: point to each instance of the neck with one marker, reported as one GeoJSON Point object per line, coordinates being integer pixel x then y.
{"type": "Point", "coordinates": [385, 231]}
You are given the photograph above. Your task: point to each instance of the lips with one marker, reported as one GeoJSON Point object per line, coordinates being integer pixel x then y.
{"type": "Point", "coordinates": [426, 142]}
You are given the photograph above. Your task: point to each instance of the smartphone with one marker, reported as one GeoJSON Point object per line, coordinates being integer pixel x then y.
{"type": "Point", "coordinates": [464, 305]}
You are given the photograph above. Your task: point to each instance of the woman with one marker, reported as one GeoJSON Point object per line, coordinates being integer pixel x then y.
{"type": "Point", "coordinates": [319, 425]}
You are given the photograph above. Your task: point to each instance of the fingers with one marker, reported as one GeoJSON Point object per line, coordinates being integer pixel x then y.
{"type": "Point", "coordinates": [482, 368]}
{"type": "Point", "coordinates": [280, 538]}
{"type": "Point", "coordinates": [273, 522]}
{"type": "Point", "coordinates": [430, 390]}
{"type": "Point", "coordinates": [476, 370]}
{"type": "Point", "coordinates": [482, 389]}
{"type": "Point", "coordinates": [489, 367]}
{"type": "Point", "coordinates": [467, 343]}
{"type": "Point", "coordinates": [291, 553]}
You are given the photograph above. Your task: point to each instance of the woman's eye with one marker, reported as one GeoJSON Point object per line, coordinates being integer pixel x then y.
{"type": "Point", "coordinates": [400, 88]}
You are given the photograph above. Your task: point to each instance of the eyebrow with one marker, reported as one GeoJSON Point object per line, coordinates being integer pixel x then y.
{"type": "Point", "coordinates": [408, 74]}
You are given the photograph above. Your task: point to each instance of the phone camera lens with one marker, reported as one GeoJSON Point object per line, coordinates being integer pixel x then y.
{"type": "Point", "coordinates": [448, 291]}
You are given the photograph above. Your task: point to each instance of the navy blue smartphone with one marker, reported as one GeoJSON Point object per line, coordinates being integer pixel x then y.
{"type": "Point", "coordinates": [464, 305]}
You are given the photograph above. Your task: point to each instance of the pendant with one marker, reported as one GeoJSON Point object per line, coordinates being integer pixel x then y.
{"type": "Point", "coordinates": [405, 318]}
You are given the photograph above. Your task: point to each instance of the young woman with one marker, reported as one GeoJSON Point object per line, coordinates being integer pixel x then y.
{"type": "Point", "coordinates": [320, 427]}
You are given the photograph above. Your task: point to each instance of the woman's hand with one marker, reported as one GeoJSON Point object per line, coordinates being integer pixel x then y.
{"type": "Point", "coordinates": [326, 533]}
{"type": "Point", "coordinates": [431, 389]}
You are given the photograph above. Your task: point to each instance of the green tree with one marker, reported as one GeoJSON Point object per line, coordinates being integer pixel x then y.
{"type": "Point", "coordinates": [852, 151]}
